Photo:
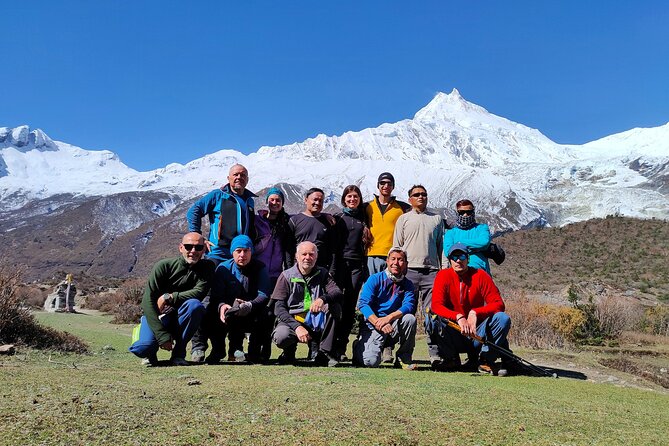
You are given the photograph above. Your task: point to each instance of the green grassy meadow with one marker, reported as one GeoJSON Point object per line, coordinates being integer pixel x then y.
{"type": "Point", "coordinates": [108, 398]}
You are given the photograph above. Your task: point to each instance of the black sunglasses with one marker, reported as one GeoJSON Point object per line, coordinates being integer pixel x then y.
{"type": "Point", "coordinates": [456, 257]}
{"type": "Point", "coordinates": [465, 211]}
{"type": "Point", "coordinates": [188, 247]}
{"type": "Point", "coordinates": [419, 194]}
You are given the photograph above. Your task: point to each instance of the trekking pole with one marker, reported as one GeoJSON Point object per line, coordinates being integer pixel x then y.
{"type": "Point", "coordinates": [505, 352]}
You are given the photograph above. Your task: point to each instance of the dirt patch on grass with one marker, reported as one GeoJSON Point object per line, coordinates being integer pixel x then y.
{"type": "Point", "coordinates": [645, 371]}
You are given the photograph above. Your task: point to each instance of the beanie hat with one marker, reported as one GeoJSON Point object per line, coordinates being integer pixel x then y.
{"type": "Point", "coordinates": [241, 241]}
{"type": "Point", "coordinates": [386, 176]}
{"type": "Point", "coordinates": [275, 191]}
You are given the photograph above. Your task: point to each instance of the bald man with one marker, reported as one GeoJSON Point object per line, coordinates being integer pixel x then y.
{"type": "Point", "coordinates": [231, 213]}
{"type": "Point", "coordinates": [307, 307]}
{"type": "Point", "coordinates": [172, 302]}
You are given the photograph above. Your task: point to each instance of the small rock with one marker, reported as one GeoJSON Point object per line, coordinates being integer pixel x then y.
{"type": "Point", "coordinates": [194, 382]}
{"type": "Point", "coordinates": [108, 348]}
{"type": "Point", "coordinates": [7, 349]}
{"type": "Point", "coordinates": [663, 370]}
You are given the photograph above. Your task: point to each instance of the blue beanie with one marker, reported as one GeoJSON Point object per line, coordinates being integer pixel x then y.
{"type": "Point", "coordinates": [241, 241]}
{"type": "Point", "coordinates": [275, 191]}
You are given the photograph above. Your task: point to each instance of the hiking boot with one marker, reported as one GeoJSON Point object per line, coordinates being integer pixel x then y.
{"type": "Point", "coordinates": [197, 356]}
{"type": "Point", "coordinates": [324, 359]}
{"type": "Point", "coordinates": [490, 369]}
{"type": "Point", "coordinates": [387, 355]}
{"type": "Point", "coordinates": [286, 358]}
{"type": "Point", "coordinates": [179, 362]}
{"type": "Point", "coordinates": [150, 361]}
{"type": "Point", "coordinates": [470, 365]}
{"type": "Point", "coordinates": [399, 364]}
{"type": "Point", "coordinates": [445, 365]}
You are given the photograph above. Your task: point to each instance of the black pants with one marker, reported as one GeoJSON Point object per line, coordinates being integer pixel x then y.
{"type": "Point", "coordinates": [351, 274]}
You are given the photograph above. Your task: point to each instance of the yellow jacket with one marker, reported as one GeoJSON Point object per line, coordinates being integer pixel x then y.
{"type": "Point", "coordinates": [382, 224]}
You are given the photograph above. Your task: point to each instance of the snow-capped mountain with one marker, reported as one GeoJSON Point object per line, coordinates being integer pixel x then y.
{"type": "Point", "coordinates": [517, 176]}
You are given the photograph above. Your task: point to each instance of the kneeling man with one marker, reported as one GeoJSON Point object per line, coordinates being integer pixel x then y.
{"type": "Point", "coordinates": [172, 303]}
{"type": "Point", "coordinates": [240, 294]}
{"type": "Point", "coordinates": [387, 302]}
{"type": "Point", "coordinates": [307, 307]}
{"type": "Point", "coordinates": [469, 297]}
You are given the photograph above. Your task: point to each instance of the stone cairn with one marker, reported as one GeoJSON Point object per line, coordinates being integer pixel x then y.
{"type": "Point", "coordinates": [62, 297]}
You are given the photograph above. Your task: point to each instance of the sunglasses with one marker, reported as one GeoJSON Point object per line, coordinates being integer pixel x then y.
{"type": "Point", "coordinates": [465, 211]}
{"type": "Point", "coordinates": [385, 183]}
{"type": "Point", "coordinates": [456, 257]}
{"type": "Point", "coordinates": [188, 247]}
{"type": "Point", "coordinates": [419, 194]}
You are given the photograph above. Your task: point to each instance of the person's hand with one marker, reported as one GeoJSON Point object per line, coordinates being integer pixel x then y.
{"type": "Point", "coordinates": [244, 308]}
{"type": "Point", "coordinates": [381, 322]}
{"type": "Point", "coordinates": [302, 334]}
{"type": "Point", "coordinates": [317, 305]}
{"type": "Point", "coordinates": [162, 305]}
{"type": "Point", "coordinates": [167, 345]}
{"type": "Point", "coordinates": [222, 310]}
{"type": "Point", "coordinates": [208, 245]}
{"type": "Point", "coordinates": [387, 329]}
{"type": "Point", "coordinates": [468, 324]}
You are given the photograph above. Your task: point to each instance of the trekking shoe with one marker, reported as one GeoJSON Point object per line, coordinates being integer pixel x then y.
{"type": "Point", "coordinates": [150, 362]}
{"type": "Point", "coordinates": [470, 365]}
{"type": "Point", "coordinates": [286, 358]}
{"type": "Point", "coordinates": [445, 365]}
{"type": "Point", "coordinates": [324, 359]}
{"type": "Point", "coordinates": [399, 364]}
{"type": "Point", "coordinates": [387, 355]}
{"type": "Point", "coordinates": [197, 356]}
{"type": "Point", "coordinates": [179, 362]}
{"type": "Point", "coordinates": [490, 369]}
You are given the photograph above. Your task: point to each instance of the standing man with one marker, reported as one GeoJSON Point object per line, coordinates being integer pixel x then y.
{"type": "Point", "coordinates": [307, 306]}
{"type": "Point", "coordinates": [420, 233]}
{"type": "Point", "coordinates": [230, 210]}
{"type": "Point", "coordinates": [239, 298]}
{"type": "Point", "coordinates": [476, 236]}
{"type": "Point", "coordinates": [311, 225]}
{"type": "Point", "coordinates": [469, 297]}
{"type": "Point", "coordinates": [171, 302]}
{"type": "Point", "coordinates": [388, 303]}
{"type": "Point", "coordinates": [382, 214]}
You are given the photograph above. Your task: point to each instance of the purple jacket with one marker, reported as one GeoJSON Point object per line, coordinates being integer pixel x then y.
{"type": "Point", "coordinates": [270, 242]}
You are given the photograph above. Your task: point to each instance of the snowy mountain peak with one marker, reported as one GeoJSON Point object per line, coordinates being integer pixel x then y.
{"type": "Point", "coordinates": [23, 139]}
{"type": "Point", "coordinates": [447, 107]}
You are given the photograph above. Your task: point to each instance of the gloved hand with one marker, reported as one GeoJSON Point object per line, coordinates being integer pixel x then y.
{"type": "Point", "coordinates": [244, 309]}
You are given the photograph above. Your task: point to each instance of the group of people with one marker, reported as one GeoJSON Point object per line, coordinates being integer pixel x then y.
{"type": "Point", "coordinates": [288, 279]}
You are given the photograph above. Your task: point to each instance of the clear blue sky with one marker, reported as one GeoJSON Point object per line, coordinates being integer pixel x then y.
{"type": "Point", "coordinates": [169, 81]}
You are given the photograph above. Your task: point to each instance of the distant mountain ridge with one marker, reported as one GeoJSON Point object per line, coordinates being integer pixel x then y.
{"type": "Point", "coordinates": [517, 176]}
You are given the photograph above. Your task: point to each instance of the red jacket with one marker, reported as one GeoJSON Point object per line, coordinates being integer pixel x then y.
{"type": "Point", "coordinates": [475, 290]}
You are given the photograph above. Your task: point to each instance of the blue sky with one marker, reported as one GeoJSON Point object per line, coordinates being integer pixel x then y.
{"type": "Point", "coordinates": [169, 81]}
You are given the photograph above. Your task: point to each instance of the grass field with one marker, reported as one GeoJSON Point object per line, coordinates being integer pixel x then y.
{"type": "Point", "coordinates": [108, 398]}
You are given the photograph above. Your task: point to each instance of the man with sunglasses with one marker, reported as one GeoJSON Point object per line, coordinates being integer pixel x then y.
{"type": "Point", "coordinates": [172, 303]}
{"type": "Point", "coordinates": [476, 236]}
{"type": "Point", "coordinates": [469, 297]}
{"type": "Point", "coordinates": [420, 233]}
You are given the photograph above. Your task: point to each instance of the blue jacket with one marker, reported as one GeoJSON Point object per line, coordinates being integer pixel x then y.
{"type": "Point", "coordinates": [250, 283]}
{"type": "Point", "coordinates": [477, 239]}
{"type": "Point", "coordinates": [381, 296]}
{"type": "Point", "coordinates": [229, 216]}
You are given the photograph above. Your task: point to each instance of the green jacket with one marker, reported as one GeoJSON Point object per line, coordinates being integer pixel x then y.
{"type": "Point", "coordinates": [182, 280]}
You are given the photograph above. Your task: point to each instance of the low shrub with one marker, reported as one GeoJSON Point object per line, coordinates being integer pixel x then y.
{"type": "Point", "coordinates": [124, 304]}
{"type": "Point", "coordinates": [18, 326]}
{"type": "Point", "coordinates": [656, 320]}
{"type": "Point", "coordinates": [532, 324]}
